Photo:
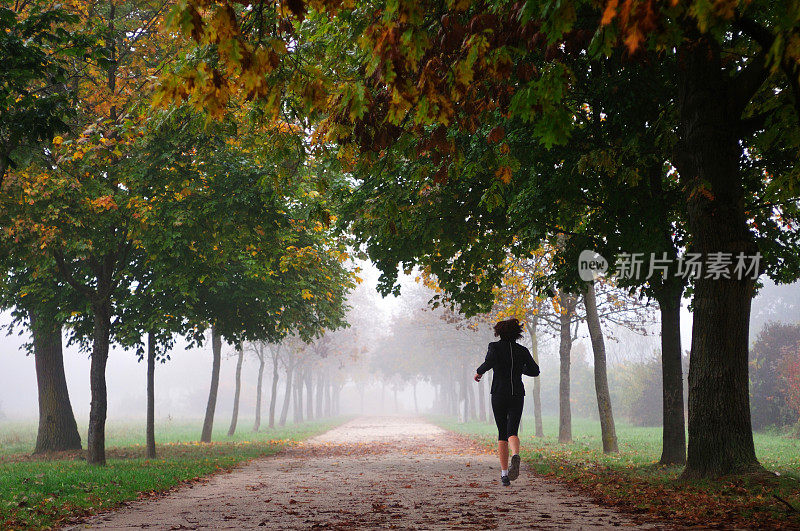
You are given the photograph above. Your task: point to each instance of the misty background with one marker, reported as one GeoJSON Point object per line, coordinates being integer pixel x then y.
{"type": "Point", "coordinates": [400, 353]}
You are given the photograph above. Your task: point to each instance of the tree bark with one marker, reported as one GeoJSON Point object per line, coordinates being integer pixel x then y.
{"type": "Point", "coordinates": [674, 428]}
{"type": "Point", "coordinates": [273, 399]}
{"type": "Point", "coordinates": [57, 428]}
{"type": "Point", "coordinates": [287, 394]}
{"type": "Point", "coordinates": [151, 397]}
{"type": "Point", "coordinates": [416, 404]}
{"type": "Point", "coordinates": [216, 352]}
{"type": "Point", "coordinates": [567, 302]}
{"type": "Point", "coordinates": [707, 158]}
{"type": "Point", "coordinates": [261, 362]}
{"type": "Point", "coordinates": [607, 428]}
{"type": "Point", "coordinates": [96, 444]}
{"type": "Point", "coordinates": [237, 393]}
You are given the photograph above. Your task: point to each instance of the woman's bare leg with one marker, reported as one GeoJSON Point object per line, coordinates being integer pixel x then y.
{"type": "Point", "coordinates": [513, 443]}
{"type": "Point", "coordinates": [502, 453]}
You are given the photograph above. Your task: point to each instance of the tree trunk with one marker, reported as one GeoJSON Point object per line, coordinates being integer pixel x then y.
{"type": "Point", "coordinates": [287, 394]}
{"type": "Point", "coordinates": [261, 363]}
{"type": "Point", "coordinates": [473, 402]}
{"type": "Point", "coordinates": [298, 397]}
{"type": "Point", "coordinates": [489, 388]}
{"type": "Point", "coordinates": [96, 444]}
{"type": "Point", "coordinates": [337, 392]}
{"type": "Point", "coordinates": [567, 302]}
{"type": "Point", "coordinates": [481, 402]}
{"type": "Point", "coordinates": [454, 398]}
{"type": "Point", "coordinates": [57, 428]}
{"type": "Point", "coordinates": [273, 399]}
{"type": "Point", "coordinates": [533, 326]}
{"type": "Point", "coordinates": [416, 404]}
{"type": "Point", "coordinates": [309, 396]}
{"type": "Point", "coordinates": [607, 428]}
{"type": "Point", "coordinates": [151, 397]}
{"type": "Point", "coordinates": [464, 397]}
{"type": "Point", "coordinates": [329, 399]}
{"type": "Point", "coordinates": [710, 106]}
{"type": "Point", "coordinates": [237, 393]}
{"type": "Point", "coordinates": [216, 352]}
{"type": "Point", "coordinates": [319, 392]}
{"type": "Point", "coordinates": [674, 428]}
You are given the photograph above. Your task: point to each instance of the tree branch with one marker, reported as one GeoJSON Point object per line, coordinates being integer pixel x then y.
{"type": "Point", "coordinates": [753, 75]}
{"type": "Point", "coordinates": [62, 267]}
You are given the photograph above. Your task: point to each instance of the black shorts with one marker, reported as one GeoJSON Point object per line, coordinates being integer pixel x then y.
{"type": "Point", "coordinates": [507, 414]}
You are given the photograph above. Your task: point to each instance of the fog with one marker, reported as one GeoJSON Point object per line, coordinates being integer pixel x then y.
{"type": "Point", "coordinates": [396, 358]}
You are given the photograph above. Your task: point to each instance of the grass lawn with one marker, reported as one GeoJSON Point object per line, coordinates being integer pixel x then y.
{"type": "Point", "coordinates": [43, 493]}
{"type": "Point", "coordinates": [633, 481]}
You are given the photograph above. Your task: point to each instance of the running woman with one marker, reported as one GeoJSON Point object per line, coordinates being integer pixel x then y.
{"type": "Point", "coordinates": [509, 361]}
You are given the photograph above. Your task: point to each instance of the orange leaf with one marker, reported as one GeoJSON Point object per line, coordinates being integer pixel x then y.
{"type": "Point", "coordinates": [610, 12]}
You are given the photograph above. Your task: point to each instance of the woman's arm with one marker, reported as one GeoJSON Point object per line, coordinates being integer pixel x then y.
{"type": "Point", "coordinates": [530, 368]}
{"type": "Point", "coordinates": [487, 364]}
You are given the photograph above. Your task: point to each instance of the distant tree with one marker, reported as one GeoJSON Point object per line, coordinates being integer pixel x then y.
{"type": "Point", "coordinates": [772, 360]}
{"type": "Point", "coordinates": [790, 370]}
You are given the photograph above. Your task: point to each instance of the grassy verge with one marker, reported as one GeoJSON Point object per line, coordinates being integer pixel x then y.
{"type": "Point", "coordinates": [633, 481]}
{"type": "Point", "coordinates": [36, 494]}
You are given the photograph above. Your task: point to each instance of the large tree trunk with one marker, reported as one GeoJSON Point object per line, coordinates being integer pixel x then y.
{"type": "Point", "coordinates": [533, 325]}
{"type": "Point", "coordinates": [674, 428]}
{"type": "Point", "coordinates": [57, 428]}
{"type": "Point", "coordinates": [216, 352]}
{"type": "Point", "coordinates": [607, 428]}
{"type": "Point", "coordinates": [261, 363]}
{"type": "Point", "coordinates": [710, 105]}
{"type": "Point", "coordinates": [237, 393]}
{"type": "Point", "coordinates": [567, 302]}
{"type": "Point", "coordinates": [287, 394]}
{"type": "Point", "coordinates": [96, 444]}
{"type": "Point", "coordinates": [309, 395]}
{"type": "Point", "coordinates": [150, 436]}
{"type": "Point", "coordinates": [273, 399]}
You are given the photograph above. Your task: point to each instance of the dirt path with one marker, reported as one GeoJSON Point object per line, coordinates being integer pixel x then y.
{"type": "Point", "coordinates": [386, 472]}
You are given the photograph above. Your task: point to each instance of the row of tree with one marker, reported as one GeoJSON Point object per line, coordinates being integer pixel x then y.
{"type": "Point", "coordinates": [128, 223]}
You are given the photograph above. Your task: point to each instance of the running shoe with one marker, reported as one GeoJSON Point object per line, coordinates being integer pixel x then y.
{"type": "Point", "coordinates": [513, 470]}
{"type": "Point", "coordinates": [506, 481]}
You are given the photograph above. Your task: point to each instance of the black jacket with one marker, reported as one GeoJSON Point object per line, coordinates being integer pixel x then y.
{"type": "Point", "coordinates": [509, 362]}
